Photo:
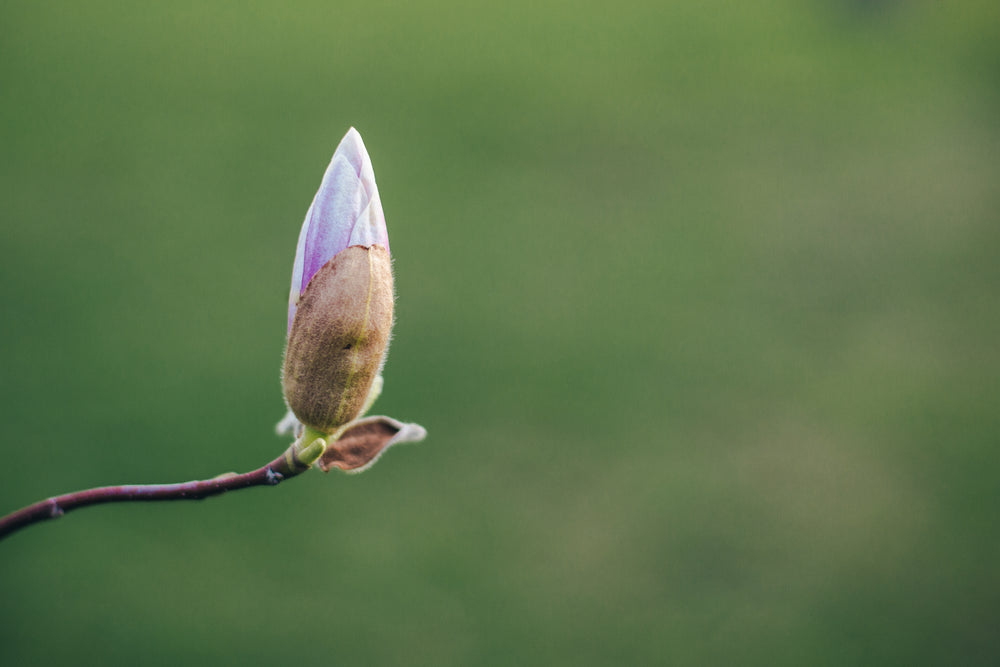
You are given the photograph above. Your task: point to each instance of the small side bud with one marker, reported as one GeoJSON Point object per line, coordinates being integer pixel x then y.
{"type": "Point", "coordinates": [338, 338]}
{"type": "Point", "coordinates": [362, 442]}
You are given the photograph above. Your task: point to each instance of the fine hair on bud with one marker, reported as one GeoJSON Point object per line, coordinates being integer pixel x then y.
{"type": "Point", "coordinates": [338, 338]}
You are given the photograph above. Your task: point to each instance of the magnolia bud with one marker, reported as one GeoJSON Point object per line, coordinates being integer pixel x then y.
{"type": "Point", "coordinates": [338, 338]}
{"type": "Point", "coordinates": [339, 321]}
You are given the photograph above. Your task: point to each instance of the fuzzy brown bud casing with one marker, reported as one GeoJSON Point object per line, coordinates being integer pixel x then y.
{"type": "Point", "coordinates": [338, 338]}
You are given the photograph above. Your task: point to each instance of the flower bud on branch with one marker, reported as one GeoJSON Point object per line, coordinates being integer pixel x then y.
{"type": "Point", "coordinates": [339, 322]}
{"type": "Point", "coordinates": [340, 314]}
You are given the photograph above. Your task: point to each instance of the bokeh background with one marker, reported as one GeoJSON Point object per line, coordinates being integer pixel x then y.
{"type": "Point", "coordinates": [698, 301]}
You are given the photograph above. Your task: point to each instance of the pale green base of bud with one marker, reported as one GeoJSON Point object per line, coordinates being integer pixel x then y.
{"type": "Point", "coordinates": [307, 449]}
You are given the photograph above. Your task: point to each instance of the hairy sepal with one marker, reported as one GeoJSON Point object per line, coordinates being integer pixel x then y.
{"type": "Point", "coordinates": [338, 338]}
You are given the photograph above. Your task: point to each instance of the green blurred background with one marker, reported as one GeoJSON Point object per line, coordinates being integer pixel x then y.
{"type": "Point", "coordinates": [698, 301]}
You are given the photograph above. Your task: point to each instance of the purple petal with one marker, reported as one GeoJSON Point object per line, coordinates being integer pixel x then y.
{"type": "Point", "coordinates": [345, 211]}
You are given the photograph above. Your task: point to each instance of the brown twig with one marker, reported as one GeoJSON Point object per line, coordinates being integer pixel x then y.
{"type": "Point", "coordinates": [287, 465]}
